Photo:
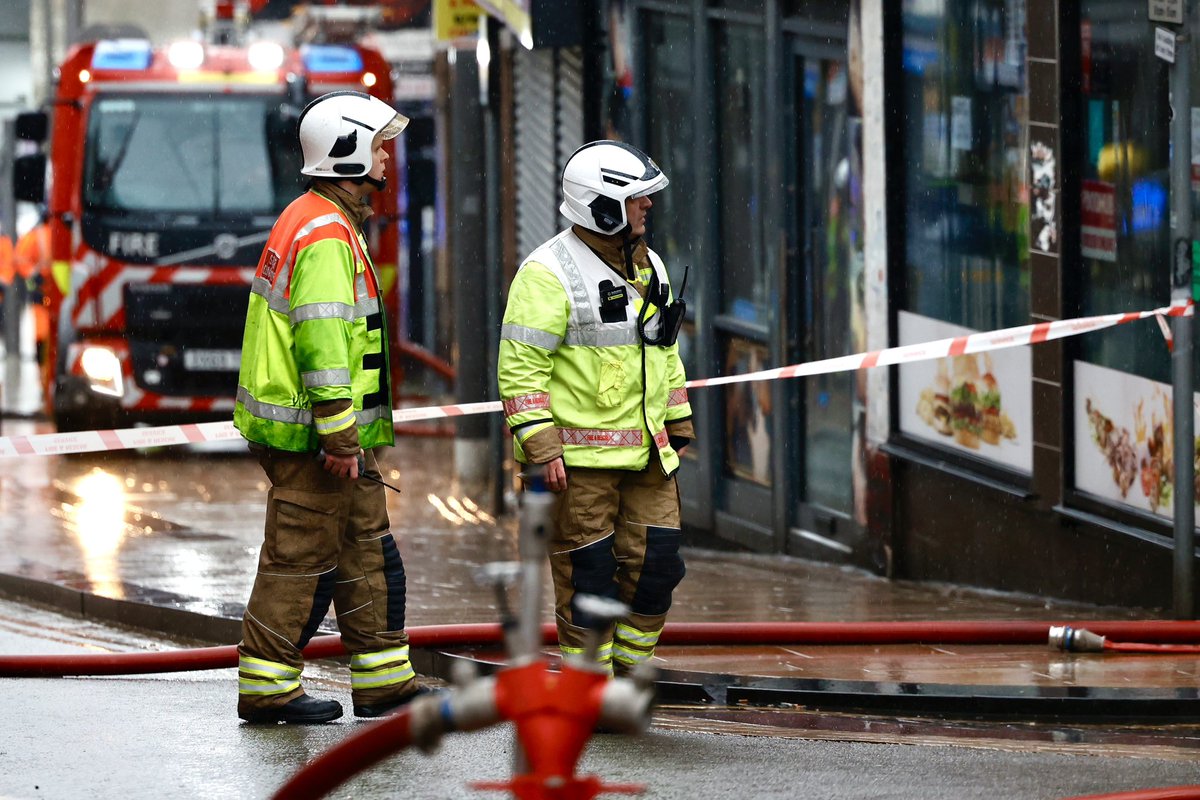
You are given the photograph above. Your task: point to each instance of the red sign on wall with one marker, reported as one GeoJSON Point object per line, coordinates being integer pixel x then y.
{"type": "Point", "coordinates": [1098, 221]}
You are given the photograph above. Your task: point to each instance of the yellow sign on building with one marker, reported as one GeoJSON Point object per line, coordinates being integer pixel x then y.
{"type": "Point", "coordinates": [455, 20]}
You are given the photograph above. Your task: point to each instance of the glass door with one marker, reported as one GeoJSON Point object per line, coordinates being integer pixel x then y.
{"type": "Point", "coordinates": [827, 258]}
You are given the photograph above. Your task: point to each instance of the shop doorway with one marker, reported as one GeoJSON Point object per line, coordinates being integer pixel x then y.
{"type": "Point", "coordinates": [826, 257]}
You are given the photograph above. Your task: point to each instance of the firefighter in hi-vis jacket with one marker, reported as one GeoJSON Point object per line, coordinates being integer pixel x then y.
{"type": "Point", "coordinates": [314, 400]}
{"type": "Point", "coordinates": [593, 388]}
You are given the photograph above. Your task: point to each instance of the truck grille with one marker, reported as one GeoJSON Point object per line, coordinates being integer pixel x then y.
{"type": "Point", "coordinates": [164, 321]}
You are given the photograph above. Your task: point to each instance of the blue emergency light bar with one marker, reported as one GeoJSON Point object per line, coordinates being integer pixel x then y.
{"type": "Point", "coordinates": [121, 54]}
{"type": "Point", "coordinates": [331, 58]}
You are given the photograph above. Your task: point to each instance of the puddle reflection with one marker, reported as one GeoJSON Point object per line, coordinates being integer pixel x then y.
{"type": "Point", "coordinates": [98, 522]}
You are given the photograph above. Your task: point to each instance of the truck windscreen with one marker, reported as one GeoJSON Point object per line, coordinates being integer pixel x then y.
{"type": "Point", "coordinates": [203, 156]}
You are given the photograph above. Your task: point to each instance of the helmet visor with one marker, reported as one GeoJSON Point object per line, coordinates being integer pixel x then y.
{"type": "Point", "coordinates": [393, 128]}
{"type": "Point", "coordinates": [658, 182]}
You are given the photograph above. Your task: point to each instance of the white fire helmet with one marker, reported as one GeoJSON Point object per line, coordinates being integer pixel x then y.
{"type": "Point", "coordinates": [599, 177]}
{"type": "Point", "coordinates": [337, 131]}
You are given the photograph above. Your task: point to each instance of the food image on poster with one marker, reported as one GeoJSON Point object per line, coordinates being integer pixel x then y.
{"type": "Point", "coordinates": [977, 403]}
{"type": "Point", "coordinates": [967, 405]}
{"type": "Point", "coordinates": [1124, 439]}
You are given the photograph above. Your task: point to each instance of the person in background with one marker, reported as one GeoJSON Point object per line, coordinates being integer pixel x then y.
{"type": "Point", "coordinates": [593, 388]}
{"type": "Point", "coordinates": [32, 264]}
{"type": "Point", "coordinates": [6, 274]}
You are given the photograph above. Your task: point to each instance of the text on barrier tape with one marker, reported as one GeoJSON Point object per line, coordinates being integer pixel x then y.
{"type": "Point", "coordinates": [46, 444]}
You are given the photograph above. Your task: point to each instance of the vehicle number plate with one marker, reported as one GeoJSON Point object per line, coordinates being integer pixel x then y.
{"type": "Point", "coordinates": [212, 360]}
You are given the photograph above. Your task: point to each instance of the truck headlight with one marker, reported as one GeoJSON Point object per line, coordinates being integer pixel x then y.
{"type": "Point", "coordinates": [103, 370]}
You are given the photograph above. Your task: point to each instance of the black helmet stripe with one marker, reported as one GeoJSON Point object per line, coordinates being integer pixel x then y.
{"type": "Point", "coordinates": [652, 169]}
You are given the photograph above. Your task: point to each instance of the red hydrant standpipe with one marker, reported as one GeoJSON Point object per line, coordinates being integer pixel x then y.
{"type": "Point", "coordinates": [555, 714]}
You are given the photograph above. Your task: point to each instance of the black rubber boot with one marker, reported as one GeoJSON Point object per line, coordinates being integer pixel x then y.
{"type": "Point", "coordinates": [303, 710]}
{"type": "Point", "coordinates": [383, 709]}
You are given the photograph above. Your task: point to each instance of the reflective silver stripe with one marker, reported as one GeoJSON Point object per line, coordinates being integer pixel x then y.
{"type": "Point", "coordinates": [635, 636]}
{"type": "Point", "coordinates": [259, 677]}
{"type": "Point", "coordinates": [367, 661]}
{"type": "Point", "coordinates": [627, 656]}
{"type": "Point", "coordinates": [276, 302]}
{"type": "Point", "coordinates": [677, 397]}
{"type": "Point", "coordinates": [289, 263]}
{"type": "Point", "coordinates": [325, 377]}
{"type": "Point", "coordinates": [580, 302]}
{"type": "Point", "coordinates": [266, 669]}
{"type": "Point", "coordinates": [299, 416]}
{"type": "Point", "coordinates": [382, 677]}
{"type": "Point", "coordinates": [310, 311]}
{"type": "Point", "coordinates": [600, 438]}
{"type": "Point", "coordinates": [366, 307]}
{"type": "Point", "coordinates": [338, 422]}
{"type": "Point", "coordinates": [369, 415]}
{"type": "Point", "coordinates": [601, 337]}
{"type": "Point", "coordinates": [533, 336]}
{"type": "Point", "coordinates": [360, 286]}
{"type": "Point", "coordinates": [247, 686]}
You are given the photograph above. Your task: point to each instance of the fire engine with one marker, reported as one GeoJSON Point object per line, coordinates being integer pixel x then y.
{"type": "Point", "coordinates": [168, 166]}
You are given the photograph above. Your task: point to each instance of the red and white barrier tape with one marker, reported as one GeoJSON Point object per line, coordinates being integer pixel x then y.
{"type": "Point", "coordinates": [167, 435]}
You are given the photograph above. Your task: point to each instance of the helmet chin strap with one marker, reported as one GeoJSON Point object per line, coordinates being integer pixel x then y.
{"type": "Point", "coordinates": [379, 183]}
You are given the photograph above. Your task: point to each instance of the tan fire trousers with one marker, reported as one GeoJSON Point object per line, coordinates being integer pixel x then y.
{"type": "Point", "coordinates": [327, 539]}
{"type": "Point", "coordinates": [617, 535]}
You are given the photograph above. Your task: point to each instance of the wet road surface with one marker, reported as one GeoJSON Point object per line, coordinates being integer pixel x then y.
{"type": "Point", "coordinates": [175, 736]}
{"type": "Point", "coordinates": [180, 529]}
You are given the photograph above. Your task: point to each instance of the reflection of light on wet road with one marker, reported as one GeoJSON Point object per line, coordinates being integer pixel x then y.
{"type": "Point", "coordinates": [443, 509]}
{"type": "Point", "coordinates": [459, 512]}
{"type": "Point", "coordinates": [479, 512]}
{"type": "Point", "coordinates": [99, 524]}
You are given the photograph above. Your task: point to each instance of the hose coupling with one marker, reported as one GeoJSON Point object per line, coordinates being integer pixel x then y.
{"type": "Point", "coordinates": [1075, 640]}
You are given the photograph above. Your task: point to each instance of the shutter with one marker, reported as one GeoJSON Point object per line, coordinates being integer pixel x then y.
{"type": "Point", "coordinates": [548, 100]}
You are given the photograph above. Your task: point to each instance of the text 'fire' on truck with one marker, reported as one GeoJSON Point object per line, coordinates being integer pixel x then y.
{"type": "Point", "coordinates": [167, 168]}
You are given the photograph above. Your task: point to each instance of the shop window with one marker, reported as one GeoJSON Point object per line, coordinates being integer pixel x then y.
{"type": "Point", "coordinates": [1122, 414]}
{"type": "Point", "coordinates": [966, 225]}
{"type": "Point", "coordinates": [670, 140]}
{"type": "Point", "coordinates": [739, 61]}
{"type": "Point", "coordinates": [966, 219]}
{"type": "Point", "coordinates": [1124, 208]}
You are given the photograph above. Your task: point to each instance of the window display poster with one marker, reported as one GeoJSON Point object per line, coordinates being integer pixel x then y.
{"type": "Point", "coordinates": [980, 404]}
{"type": "Point", "coordinates": [1123, 438]}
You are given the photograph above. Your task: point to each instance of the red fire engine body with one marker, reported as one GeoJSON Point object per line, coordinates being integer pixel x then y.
{"type": "Point", "coordinates": [168, 169]}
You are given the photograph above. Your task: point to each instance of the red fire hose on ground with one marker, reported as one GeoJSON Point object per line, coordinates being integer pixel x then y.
{"type": "Point", "coordinates": [1165, 793]}
{"type": "Point", "coordinates": [1158, 636]}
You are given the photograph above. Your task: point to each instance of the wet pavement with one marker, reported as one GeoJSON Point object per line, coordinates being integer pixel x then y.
{"type": "Point", "coordinates": [168, 541]}
{"type": "Point", "coordinates": [174, 735]}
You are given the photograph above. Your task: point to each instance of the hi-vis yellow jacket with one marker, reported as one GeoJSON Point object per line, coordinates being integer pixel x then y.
{"type": "Point", "coordinates": [314, 332]}
{"type": "Point", "coordinates": [608, 394]}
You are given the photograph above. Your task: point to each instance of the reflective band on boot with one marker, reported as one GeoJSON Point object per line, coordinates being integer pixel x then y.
{"type": "Point", "coordinates": [604, 655]}
{"type": "Point", "coordinates": [633, 646]}
{"type": "Point", "coordinates": [382, 668]}
{"type": "Point", "coordinates": [264, 678]}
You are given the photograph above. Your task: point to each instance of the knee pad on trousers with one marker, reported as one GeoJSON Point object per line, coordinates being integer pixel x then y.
{"type": "Point", "coordinates": [662, 570]}
{"type": "Point", "coordinates": [397, 584]}
{"type": "Point", "coordinates": [593, 571]}
{"type": "Point", "coordinates": [322, 597]}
